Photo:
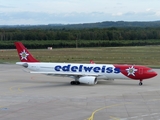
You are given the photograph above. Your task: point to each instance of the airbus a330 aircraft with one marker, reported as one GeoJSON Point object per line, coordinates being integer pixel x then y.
{"type": "Point", "coordinates": [83, 73]}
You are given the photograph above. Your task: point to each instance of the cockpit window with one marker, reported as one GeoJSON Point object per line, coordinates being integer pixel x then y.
{"type": "Point", "coordinates": [150, 70]}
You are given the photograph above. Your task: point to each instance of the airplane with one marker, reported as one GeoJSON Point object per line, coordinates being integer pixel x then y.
{"type": "Point", "coordinates": [83, 73]}
{"type": "Point", "coordinates": [92, 62]}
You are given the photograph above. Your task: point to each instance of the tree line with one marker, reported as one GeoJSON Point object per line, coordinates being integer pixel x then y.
{"type": "Point", "coordinates": [94, 37]}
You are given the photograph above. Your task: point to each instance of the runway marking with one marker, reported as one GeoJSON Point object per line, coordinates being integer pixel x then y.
{"type": "Point", "coordinates": [93, 113]}
{"type": "Point", "coordinates": [13, 89]}
{"type": "Point", "coordinates": [145, 115]}
{"type": "Point", "coordinates": [140, 116]}
{"type": "Point", "coordinates": [154, 113]}
{"type": "Point", "coordinates": [114, 118]}
{"type": "Point", "coordinates": [132, 117]}
{"type": "Point", "coordinates": [155, 100]}
{"type": "Point", "coordinates": [19, 89]}
{"type": "Point", "coordinates": [14, 111]}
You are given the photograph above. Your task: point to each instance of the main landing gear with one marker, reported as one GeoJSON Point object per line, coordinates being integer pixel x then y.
{"type": "Point", "coordinates": [75, 83]}
{"type": "Point", "coordinates": [140, 83]}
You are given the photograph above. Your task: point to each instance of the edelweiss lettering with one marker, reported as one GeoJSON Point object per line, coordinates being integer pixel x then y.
{"type": "Point", "coordinates": [84, 68]}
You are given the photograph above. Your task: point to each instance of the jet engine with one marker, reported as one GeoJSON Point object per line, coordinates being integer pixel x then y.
{"type": "Point", "coordinates": [91, 80]}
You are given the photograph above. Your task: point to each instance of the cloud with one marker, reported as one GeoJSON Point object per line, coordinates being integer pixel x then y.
{"type": "Point", "coordinates": [34, 18]}
{"type": "Point", "coordinates": [158, 13]}
{"type": "Point", "coordinates": [3, 6]}
{"type": "Point", "coordinates": [117, 14]}
{"type": "Point", "coordinates": [45, 18]}
{"type": "Point", "coordinates": [76, 11]}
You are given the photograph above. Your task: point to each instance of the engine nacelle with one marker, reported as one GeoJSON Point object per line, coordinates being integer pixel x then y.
{"type": "Point", "coordinates": [91, 80]}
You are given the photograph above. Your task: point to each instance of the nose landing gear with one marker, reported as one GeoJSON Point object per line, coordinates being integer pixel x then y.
{"type": "Point", "coordinates": [140, 83]}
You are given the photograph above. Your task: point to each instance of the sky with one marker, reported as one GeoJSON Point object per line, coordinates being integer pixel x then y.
{"type": "Point", "coordinates": [36, 12]}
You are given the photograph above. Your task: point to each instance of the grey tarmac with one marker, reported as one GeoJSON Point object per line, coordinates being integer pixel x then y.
{"type": "Point", "coordinates": [25, 96]}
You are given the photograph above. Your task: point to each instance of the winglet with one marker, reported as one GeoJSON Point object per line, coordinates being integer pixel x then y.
{"type": "Point", "coordinates": [24, 54]}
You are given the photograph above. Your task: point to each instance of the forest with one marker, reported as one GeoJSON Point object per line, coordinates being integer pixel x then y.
{"type": "Point", "coordinates": [86, 37]}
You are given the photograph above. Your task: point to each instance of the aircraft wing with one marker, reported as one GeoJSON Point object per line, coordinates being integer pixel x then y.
{"type": "Point", "coordinates": [67, 74]}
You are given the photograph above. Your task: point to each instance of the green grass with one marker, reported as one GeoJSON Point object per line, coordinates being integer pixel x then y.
{"type": "Point", "coordinates": [147, 55]}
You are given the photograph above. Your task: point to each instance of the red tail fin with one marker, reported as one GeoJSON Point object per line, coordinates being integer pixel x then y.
{"type": "Point", "coordinates": [24, 54]}
{"type": "Point", "coordinates": [92, 62]}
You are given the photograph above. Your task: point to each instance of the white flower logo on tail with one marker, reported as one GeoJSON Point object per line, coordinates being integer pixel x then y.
{"type": "Point", "coordinates": [24, 55]}
{"type": "Point", "coordinates": [131, 71]}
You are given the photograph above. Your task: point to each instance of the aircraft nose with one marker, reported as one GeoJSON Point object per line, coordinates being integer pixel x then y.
{"type": "Point", "coordinates": [150, 73]}
{"type": "Point", "coordinates": [154, 74]}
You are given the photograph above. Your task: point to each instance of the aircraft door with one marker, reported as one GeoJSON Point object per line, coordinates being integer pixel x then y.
{"type": "Point", "coordinates": [140, 70]}
{"type": "Point", "coordinates": [34, 67]}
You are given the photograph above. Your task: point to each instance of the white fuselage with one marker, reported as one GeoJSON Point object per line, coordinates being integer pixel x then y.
{"type": "Point", "coordinates": [103, 71]}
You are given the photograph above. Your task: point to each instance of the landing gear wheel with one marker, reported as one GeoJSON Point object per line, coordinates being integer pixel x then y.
{"type": "Point", "coordinates": [74, 82]}
{"type": "Point", "coordinates": [140, 83]}
{"type": "Point", "coordinates": [77, 82]}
